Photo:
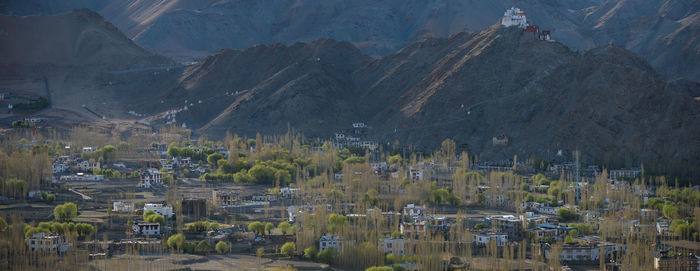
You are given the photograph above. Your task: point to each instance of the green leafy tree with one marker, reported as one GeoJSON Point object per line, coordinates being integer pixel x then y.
{"type": "Point", "coordinates": [65, 212]}
{"type": "Point", "coordinates": [148, 213]}
{"type": "Point", "coordinates": [214, 158]}
{"type": "Point", "coordinates": [566, 215]}
{"type": "Point", "coordinates": [221, 247]}
{"type": "Point", "coordinates": [256, 227]}
{"type": "Point", "coordinates": [310, 252]}
{"type": "Point", "coordinates": [288, 249]}
{"type": "Point", "coordinates": [327, 255]}
{"type": "Point", "coordinates": [269, 227]}
{"type": "Point", "coordinates": [336, 222]}
{"type": "Point", "coordinates": [569, 239]}
{"type": "Point", "coordinates": [284, 227]}
{"type": "Point", "coordinates": [203, 247]}
{"type": "Point", "coordinates": [155, 218]}
{"type": "Point", "coordinates": [379, 268]}
{"type": "Point", "coordinates": [175, 242]}
{"type": "Point", "coordinates": [3, 225]}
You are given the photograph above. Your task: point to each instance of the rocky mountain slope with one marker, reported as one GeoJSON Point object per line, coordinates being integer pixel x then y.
{"type": "Point", "coordinates": [664, 32]}
{"type": "Point", "coordinates": [81, 64]}
{"type": "Point", "coordinates": [470, 87]}
{"type": "Point", "coordinates": [78, 38]}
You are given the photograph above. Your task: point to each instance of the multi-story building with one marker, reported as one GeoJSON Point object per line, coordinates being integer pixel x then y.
{"type": "Point", "coordinates": [414, 229]}
{"type": "Point", "coordinates": [482, 239]}
{"type": "Point", "coordinates": [413, 210]}
{"type": "Point", "coordinates": [146, 228]}
{"type": "Point", "coordinates": [150, 177]}
{"type": "Point", "coordinates": [588, 252]}
{"type": "Point", "coordinates": [392, 245]}
{"type": "Point", "coordinates": [88, 166]}
{"type": "Point", "coordinates": [678, 262]}
{"type": "Point", "coordinates": [47, 243]}
{"type": "Point", "coordinates": [329, 241]}
{"type": "Point", "coordinates": [508, 224]}
{"type": "Point", "coordinates": [159, 208]}
{"type": "Point", "coordinates": [123, 206]}
{"type": "Point", "coordinates": [225, 198]}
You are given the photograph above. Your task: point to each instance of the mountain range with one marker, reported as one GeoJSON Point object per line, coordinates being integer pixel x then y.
{"type": "Point", "coordinates": [664, 32]}
{"type": "Point", "coordinates": [543, 96]}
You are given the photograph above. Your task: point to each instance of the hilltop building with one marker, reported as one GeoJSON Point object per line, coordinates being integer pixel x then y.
{"type": "Point", "coordinates": [514, 17]}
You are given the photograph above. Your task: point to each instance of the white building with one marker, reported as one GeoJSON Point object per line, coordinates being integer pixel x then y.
{"type": "Point", "coordinates": [380, 166]}
{"type": "Point", "coordinates": [158, 208]}
{"type": "Point", "coordinates": [662, 227]}
{"type": "Point", "coordinates": [88, 149]}
{"type": "Point", "coordinates": [514, 17]}
{"type": "Point", "coordinates": [167, 164]}
{"type": "Point", "coordinates": [123, 207]}
{"type": "Point", "coordinates": [392, 245]}
{"type": "Point", "coordinates": [287, 192]}
{"type": "Point", "coordinates": [88, 166]}
{"type": "Point", "coordinates": [47, 243]}
{"type": "Point", "coordinates": [482, 239]}
{"type": "Point", "coordinates": [80, 177]}
{"type": "Point", "coordinates": [416, 174]}
{"type": "Point", "coordinates": [57, 167]}
{"type": "Point", "coordinates": [264, 197]}
{"type": "Point", "coordinates": [146, 228]}
{"type": "Point", "coordinates": [630, 173]}
{"type": "Point", "coordinates": [584, 253]}
{"type": "Point", "coordinates": [150, 177]}
{"type": "Point", "coordinates": [414, 210]}
{"type": "Point", "coordinates": [359, 125]}
{"type": "Point", "coordinates": [414, 229]}
{"type": "Point", "coordinates": [328, 241]}
{"type": "Point", "coordinates": [547, 210]}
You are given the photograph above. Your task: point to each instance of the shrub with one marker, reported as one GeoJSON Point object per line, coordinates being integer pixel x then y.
{"type": "Point", "coordinates": [221, 247]}
{"type": "Point", "coordinates": [203, 247]}
{"type": "Point", "coordinates": [327, 255]}
{"type": "Point", "coordinates": [176, 241]}
{"type": "Point", "coordinates": [566, 215]}
{"type": "Point", "coordinates": [284, 227]}
{"type": "Point", "coordinates": [310, 252]}
{"type": "Point", "coordinates": [65, 212]}
{"type": "Point", "coordinates": [288, 249]}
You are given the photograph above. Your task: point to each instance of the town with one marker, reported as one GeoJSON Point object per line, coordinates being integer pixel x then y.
{"type": "Point", "coordinates": [86, 199]}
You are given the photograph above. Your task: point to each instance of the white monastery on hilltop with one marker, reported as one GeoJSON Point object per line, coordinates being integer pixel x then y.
{"type": "Point", "coordinates": [514, 17]}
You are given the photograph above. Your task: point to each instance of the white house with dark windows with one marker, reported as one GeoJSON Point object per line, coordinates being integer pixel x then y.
{"type": "Point", "coordinates": [123, 207]}
{"type": "Point", "coordinates": [150, 177]}
{"type": "Point", "coordinates": [392, 245]}
{"type": "Point", "coordinates": [48, 243]}
{"type": "Point", "coordinates": [482, 239]}
{"type": "Point", "coordinates": [328, 241]}
{"type": "Point", "coordinates": [159, 208]}
{"type": "Point", "coordinates": [146, 228]}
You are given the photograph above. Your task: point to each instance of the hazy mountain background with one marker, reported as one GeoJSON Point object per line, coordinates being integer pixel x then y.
{"type": "Point", "coordinates": [664, 32]}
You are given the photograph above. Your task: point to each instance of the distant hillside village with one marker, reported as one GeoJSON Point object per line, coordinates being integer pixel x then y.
{"type": "Point", "coordinates": [162, 199]}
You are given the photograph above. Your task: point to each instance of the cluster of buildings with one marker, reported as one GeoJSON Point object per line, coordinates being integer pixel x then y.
{"type": "Point", "coordinates": [517, 18]}
{"type": "Point", "coordinates": [354, 137]}
{"type": "Point", "coordinates": [63, 165]}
